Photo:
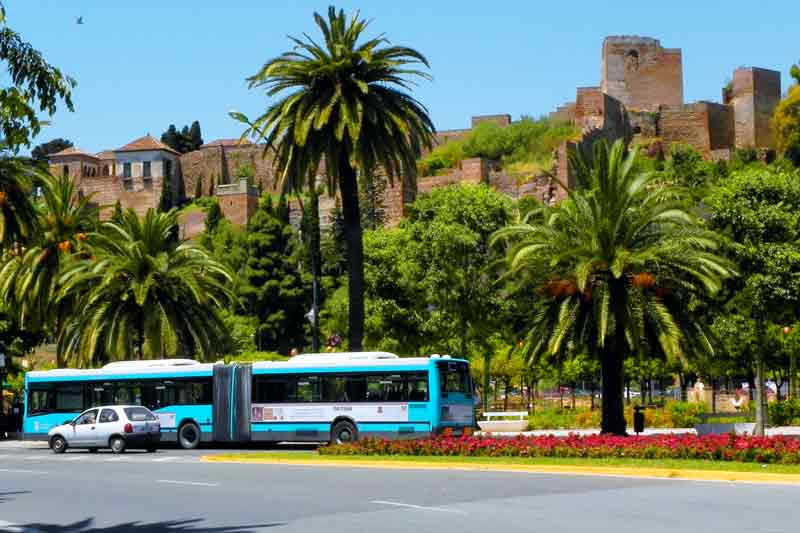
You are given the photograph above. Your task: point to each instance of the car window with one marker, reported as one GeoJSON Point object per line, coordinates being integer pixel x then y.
{"type": "Point", "coordinates": [89, 417]}
{"type": "Point", "coordinates": [138, 414]}
{"type": "Point", "coordinates": [108, 415]}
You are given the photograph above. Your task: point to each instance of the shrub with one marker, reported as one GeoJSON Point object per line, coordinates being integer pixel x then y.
{"type": "Point", "coordinates": [251, 357]}
{"type": "Point", "coordinates": [685, 414]}
{"type": "Point", "coordinates": [785, 413]}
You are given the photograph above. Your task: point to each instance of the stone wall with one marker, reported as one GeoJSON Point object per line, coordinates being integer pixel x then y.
{"type": "Point", "coordinates": [589, 108]}
{"type": "Point", "coordinates": [641, 74]}
{"type": "Point", "coordinates": [500, 120]}
{"type": "Point", "coordinates": [226, 164]}
{"type": "Point", "coordinates": [754, 93]}
{"type": "Point", "coordinates": [563, 113]}
{"type": "Point", "coordinates": [706, 126]}
{"type": "Point", "coordinates": [238, 201]}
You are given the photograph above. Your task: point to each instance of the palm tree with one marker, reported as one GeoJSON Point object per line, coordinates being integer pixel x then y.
{"type": "Point", "coordinates": [144, 294]}
{"type": "Point", "coordinates": [28, 281]}
{"type": "Point", "coordinates": [614, 265]}
{"type": "Point", "coordinates": [17, 210]}
{"type": "Point", "coordinates": [343, 104]}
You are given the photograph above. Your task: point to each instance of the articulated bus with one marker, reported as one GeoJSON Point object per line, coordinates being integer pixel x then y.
{"type": "Point", "coordinates": [314, 397]}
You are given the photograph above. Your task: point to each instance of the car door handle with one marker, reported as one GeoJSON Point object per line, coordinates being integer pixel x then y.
{"type": "Point", "coordinates": [92, 428]}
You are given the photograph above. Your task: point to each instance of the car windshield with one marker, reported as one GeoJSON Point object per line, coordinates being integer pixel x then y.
{"type": "Point", "coordinates": [139, 414]}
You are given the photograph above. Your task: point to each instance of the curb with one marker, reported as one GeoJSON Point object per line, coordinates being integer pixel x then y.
{"type": "Point", "coordinates": [603, 471]}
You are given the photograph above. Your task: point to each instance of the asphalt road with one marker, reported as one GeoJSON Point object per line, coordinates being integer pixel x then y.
{"type": "Point", "coordinates": [173, 490]}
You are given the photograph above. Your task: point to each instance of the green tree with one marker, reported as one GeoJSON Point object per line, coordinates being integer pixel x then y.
{"type": "Point", "coordinates": [18, 218]}
{"type": "Point", "coordinates": [346, 106]}
{"type": "Point", "coordinates": [144, 294]}
{"type": "Point", "coordinates": [195, 136]}
{"type": "Point", "coordinates": [116, 215]}
{"type": "Point", "coordinates": [274, 289]}
{"type": "Point", "coordinates": [172, 138]}
{"type": "Point", "coordinates": [198, 187]}
{"type": "Point", "coordinates": [609, 263]}
{"type": "Point", "coordinates": [213, 217]}
{"type": "Point", "coordinates": [29, 281]}
{"type": "Point", "coordinates": [34, 86]}
{"type": "Point", "coordinates": [165, 199]}
{"type": "Point", "coordinates": [786, 121]}
{"type": "Point", "coordinates": [372, 194]}
{"type": "Point", "coordinates": [758, 211]}
{"type": "Point", "coordinates": [41, 151]}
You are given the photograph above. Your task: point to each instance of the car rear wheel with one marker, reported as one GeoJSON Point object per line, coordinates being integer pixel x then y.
{"type": "Point", "coordinates": [343, 432]}
{"type": "Point", "coordinates": [189, 436]}
{"type": "Point", "coordinates": [58, 444]}
{"type": "Point", "coordinates": [117, 444]}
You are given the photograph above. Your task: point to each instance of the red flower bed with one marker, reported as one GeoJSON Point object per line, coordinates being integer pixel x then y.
{"type": "Point", "coordinates": [784, 450]}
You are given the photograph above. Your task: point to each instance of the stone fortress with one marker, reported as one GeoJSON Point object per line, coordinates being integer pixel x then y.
{"type": "Point", "coordinates": [640, 99]}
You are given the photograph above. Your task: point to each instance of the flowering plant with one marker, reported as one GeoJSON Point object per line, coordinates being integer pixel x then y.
{"type": "Point", "coordinates": [779, 449]}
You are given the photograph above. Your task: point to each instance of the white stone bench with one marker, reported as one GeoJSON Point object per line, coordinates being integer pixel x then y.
{"type": "Point", "coordinates": [504, 421]}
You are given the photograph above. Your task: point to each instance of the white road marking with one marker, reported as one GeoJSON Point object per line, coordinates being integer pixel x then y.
{"type": "Point", "coordinates": [113, 459]}
{"type": "Point", "coordinates": [193, 483]}
{"type": "Point", "coordinates": [19, 471]}
{"type": "Point", "coordinates": [76, 458]}
{"type": "Point", "coordinates": [165, 459]}
{"type": "Point", "coordinates": [419, 507]}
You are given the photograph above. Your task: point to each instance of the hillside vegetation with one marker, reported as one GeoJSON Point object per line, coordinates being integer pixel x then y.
{"type": "Point", "coordinates": [524, 147]}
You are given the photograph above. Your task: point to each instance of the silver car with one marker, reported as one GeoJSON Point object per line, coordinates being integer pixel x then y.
{"type": "Point", "coordinates": [117, 427]}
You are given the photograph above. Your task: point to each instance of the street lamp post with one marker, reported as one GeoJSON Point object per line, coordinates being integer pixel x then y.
{"type": "Point", "coordinates": [792, 365]}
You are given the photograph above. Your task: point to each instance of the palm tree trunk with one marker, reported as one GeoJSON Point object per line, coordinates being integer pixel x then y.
{"type": "Point", "coordinates": [613, 357]}
{"type": "Point", "coordinates": [348, 186]}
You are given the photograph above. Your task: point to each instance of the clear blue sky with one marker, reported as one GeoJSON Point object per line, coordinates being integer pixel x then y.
{"type": "Point", "coordinates": [143, 64]}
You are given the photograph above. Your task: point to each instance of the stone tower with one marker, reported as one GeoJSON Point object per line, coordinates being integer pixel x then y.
{"type": "Point", "coordinates": [754, 93]}
{"type": "Point", "coordinates": [641, 74]}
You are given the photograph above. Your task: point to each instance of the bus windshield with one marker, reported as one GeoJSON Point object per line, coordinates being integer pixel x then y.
{"type": "Point", "coordinates": [454, 378]}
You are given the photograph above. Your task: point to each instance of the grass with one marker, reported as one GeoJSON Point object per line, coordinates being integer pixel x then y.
{"type": "Point", "coordinates": [669, 464]}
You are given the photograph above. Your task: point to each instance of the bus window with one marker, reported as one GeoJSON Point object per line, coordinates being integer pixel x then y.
{"type": "Point", "coordinates": [307, 389]}
{"type": "Point", "coordinates": [417, 387]}
{"type": "Point", "coordinates": [385, 388]}
{"type": "Point", "coordinates": [41, 400]}
{"type": "Point", "coordinates": [334, 389]}
{"type": "Point", "coordinates": [271, 389]}
{"type": "Point", "coordinates": [454, 377]}
{"type": "Point", "coordinates": [69, 397]}
{"type": "Point", "coordinates": [101, 394]}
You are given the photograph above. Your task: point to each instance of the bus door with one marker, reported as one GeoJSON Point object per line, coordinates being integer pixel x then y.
{"type": "Point", "coordinates": [455, 389]}
{"type": "Point", "coordinates": [232, 397]}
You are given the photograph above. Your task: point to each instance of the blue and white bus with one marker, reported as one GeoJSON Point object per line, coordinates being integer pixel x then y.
{"type": "Point", "coordinates": [314, 397]}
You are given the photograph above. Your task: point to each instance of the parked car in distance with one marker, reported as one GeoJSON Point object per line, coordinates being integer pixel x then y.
{"type": "Point", "coordinates": [118, 427]}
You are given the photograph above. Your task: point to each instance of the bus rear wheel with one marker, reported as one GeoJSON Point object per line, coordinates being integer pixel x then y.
{"type": "Point", "coordinates": [343, 432]}
{"type": "Point", "coordinates": [189, 436]}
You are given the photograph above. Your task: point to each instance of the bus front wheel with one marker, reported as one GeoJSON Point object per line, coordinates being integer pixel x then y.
{"type": "Point", "coordinates": [343, 432]}
{"type": "Point", "coordinates": [189, 436]}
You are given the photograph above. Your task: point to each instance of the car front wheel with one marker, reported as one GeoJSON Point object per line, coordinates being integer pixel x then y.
{"type": "Point", "coordinates": [58, 444]}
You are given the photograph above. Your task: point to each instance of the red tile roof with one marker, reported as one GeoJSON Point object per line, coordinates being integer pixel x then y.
{"type": "Point", "coordinates": [148, 142]}
{"type": "Point", "coordinates": [105, 154]}
{"type": "Point", "coordinates": [72, 152]}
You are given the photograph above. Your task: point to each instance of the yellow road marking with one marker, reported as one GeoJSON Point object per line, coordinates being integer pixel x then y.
{"type": "Point", "coordinates": [643, 472]}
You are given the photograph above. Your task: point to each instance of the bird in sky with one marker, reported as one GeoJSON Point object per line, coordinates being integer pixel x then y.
{"type": "Point", "coordinates": [80, 20]}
